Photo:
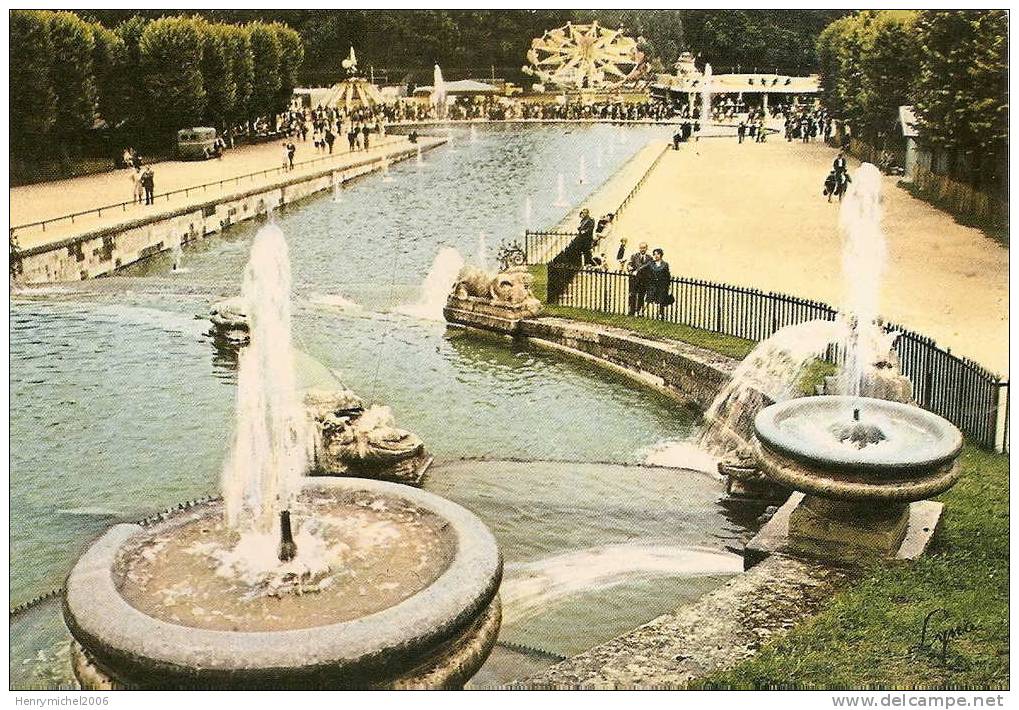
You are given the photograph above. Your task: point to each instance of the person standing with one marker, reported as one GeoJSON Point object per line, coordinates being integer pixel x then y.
{"type": "Point", "coordinates": [585, 237]}
{"type": "Point", "coordinates": [367, 135]}
{"type": "Point", "coordinates": [291, 151]}
{"type": "Point", "coordinates": [638, 282]}
{"type": "Point", "coordinates": [330, 139]}
{"type": "Point", "coordinates": [148, 180]}
{"type": "Point", "coordinates": [659, 281]}
{"type": "Point", "coordinates": [741, 131]}
{"type": "Point", "coordinates": [621, 254]}
{"type": "Point", "coordinates": [136, 186]}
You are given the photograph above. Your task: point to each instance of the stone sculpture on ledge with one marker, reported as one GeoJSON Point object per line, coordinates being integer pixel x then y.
{"type": "Point", "coordinates": [492, 301]}
{"type": "Point", "coordinates": [351, 439]}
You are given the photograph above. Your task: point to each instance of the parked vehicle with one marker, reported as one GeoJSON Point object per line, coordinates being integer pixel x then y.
{"type": "Point", "coordinates": [196, 143]}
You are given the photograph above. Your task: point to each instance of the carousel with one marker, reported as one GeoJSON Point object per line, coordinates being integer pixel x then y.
{"type": "Point", "coordinates": [353, 92]}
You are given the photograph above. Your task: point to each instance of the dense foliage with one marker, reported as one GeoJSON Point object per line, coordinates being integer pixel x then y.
{"type": "Point", "coordinates": [950, 65]}
{"type": "Point", "coordinates": [145, 77]}
{"type": "Point", "coordinates": [405, 44]}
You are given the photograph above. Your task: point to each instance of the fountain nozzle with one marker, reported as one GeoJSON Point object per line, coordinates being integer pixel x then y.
{"type": "Point", "coordinates": [288, 548]}
{"type": "Point", "coordinates": [858, 433]}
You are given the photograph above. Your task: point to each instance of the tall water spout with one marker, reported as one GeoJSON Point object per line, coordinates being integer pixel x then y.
{"type": "Point", "coordinates": [337, 185]}
{"type": "Point", "coordinates": [178, 253]}
{"type": "Point", "coordinates": [560, 200]}
{"type": "Point", "coordinates": [582, 170]}
{"type": "Point", "coordinates": [482, 256]}
{"type": "Point", "coordinates": [270, 447]}
{"type": "Point", "coordinates": [438, 97]}
{"type": "Point", "coordinates": [420, 159]}
{"type": "Point", "coordinates": [706, 97]}
{"type": "Point", "coordinates": [863, 261]}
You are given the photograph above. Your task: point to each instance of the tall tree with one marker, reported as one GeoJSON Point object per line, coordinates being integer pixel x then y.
{"type": "Point", "coordinates": [266, 54]}
{"type": "Point", "coordinates": [889, 65]}
{"type": "Point", "coordinates": [962, 90]}
{"type": "Point", "coordinates": [130, 32]}
{"type": "Point", "coordinates": [241, 68]}
{"type": "Point", "coordinates": [72, 77]}
{"type": "Point", "coordinates": [217, 74]}
{"type": "Point", "coordinates": [109, 60]}
{"type": "Point", "coordinates": [291, 58]}
{"type": "Point", "coordinates": [171, 65]}
{"type": "Point", "coordinates": [32, 98]}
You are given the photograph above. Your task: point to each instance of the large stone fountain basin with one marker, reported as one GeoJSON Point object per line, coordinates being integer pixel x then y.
{"type": "Point", "coordinates": [917, 440]}
{"type": "Point", "coordinates": [437, 637]}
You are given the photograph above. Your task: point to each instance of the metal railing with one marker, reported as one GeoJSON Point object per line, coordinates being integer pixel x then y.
{"type": "Point", "coordinates": [186, 191]}
{"type": "Point", "coordinates": [956, 388]}
{"type": "Point", "coordinates": [549, 246]}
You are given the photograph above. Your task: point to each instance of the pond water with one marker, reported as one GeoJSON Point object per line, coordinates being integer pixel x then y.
{"type": "Point", "coordinates": [122, 405]}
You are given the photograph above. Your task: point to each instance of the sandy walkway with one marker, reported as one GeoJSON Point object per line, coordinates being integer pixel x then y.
{"type": "Point", "coordinates": [32, 203]}
{"type": "Point", "coordinates": [753, 215]}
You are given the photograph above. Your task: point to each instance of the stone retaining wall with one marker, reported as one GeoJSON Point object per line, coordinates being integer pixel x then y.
{"type": "Point", "coordinates": [102, 251]}
{"type": "Point", "coordinates": [690, 374]}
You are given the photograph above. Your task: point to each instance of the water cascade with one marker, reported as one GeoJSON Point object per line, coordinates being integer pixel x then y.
{"type": "Point", "coordinates": [436, 286]}
{"type": "Point", "coordinates": [772, 372]}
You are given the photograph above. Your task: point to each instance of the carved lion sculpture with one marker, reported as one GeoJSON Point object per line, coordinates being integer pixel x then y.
{"type": "Point", "coordinates": [511, 287]}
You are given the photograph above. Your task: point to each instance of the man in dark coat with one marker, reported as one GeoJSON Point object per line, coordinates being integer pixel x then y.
{"type": "Point", "coordinates": [585, 237]}
{"type": "Point", "coordinates": [148, 180]}
{"type": "Point", "coordinates": [741, 131]}
{"type": "Point", "coordinates": [637, 266]}
{"type": "Point", "coordinates": [839, 165]}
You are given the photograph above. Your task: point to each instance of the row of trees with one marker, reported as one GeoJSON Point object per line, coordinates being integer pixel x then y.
{"type": "Point", "coordinates": [951, 66]}
{"type": "Point", "coordinates": [149, 77]}
{"type": "Point", "coordinates": [406, 43]}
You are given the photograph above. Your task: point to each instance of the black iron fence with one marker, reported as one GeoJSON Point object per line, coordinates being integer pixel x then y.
{"type": "Point", "coordinates": [968, 395]}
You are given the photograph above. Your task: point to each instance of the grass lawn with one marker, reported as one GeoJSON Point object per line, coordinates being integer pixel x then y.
{"type": "Point", "coordinates": [867, 636]}
{"type": "Point", "coordinates": [724, 344]}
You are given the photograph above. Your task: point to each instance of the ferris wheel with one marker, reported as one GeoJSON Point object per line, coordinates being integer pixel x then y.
{"type": "Point", "coordinates": [585, 57]}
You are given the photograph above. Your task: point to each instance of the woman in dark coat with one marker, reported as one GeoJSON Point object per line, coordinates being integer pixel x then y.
{"type": "Point", "coordinates": [659, 281]}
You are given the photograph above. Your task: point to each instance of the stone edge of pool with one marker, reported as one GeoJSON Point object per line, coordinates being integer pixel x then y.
{"type": "Point", "coordinates": [102, 251]}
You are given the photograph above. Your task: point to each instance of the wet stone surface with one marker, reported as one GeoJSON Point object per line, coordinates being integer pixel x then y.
{"type": "Point", "coordinates": [357, 554]}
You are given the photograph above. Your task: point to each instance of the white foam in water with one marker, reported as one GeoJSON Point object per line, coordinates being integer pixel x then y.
{"type": "Point", "coordinates": [864, 254]}
{"type": "Point", "coordinates": [334, 300]}
{"type": "Point", "coordinates": [270, 448]}
{"type": "Point", "coordinates": [436, 286]}
{"type": "Point", "coordinates": [530, 588]}
{"type": "Point", "coordinates": [682, 454]}
{"type": "Point", "coordinates": [178, 254]}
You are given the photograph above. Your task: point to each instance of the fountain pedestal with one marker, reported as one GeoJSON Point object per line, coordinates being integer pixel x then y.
{"type": "Point", "coordinates": [854, 501]}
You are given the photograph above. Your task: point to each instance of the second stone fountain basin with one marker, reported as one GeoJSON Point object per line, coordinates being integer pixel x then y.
{"type": "Point", "coordinates": [914, 461]}
{"type": "Point", "coordinates": [399, 628]}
